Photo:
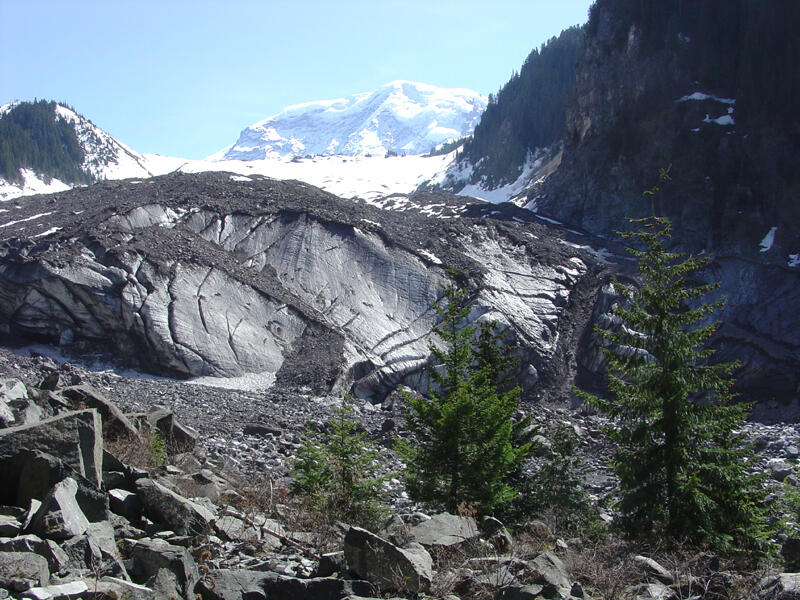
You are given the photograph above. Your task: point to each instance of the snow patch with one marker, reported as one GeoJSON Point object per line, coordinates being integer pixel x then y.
{"type": "Point", "coordinates": [702, 96]}
{"type": "Point", "coordinates": [602, 255]}
{"type": "Point", "coordinates": [25, 220]}
{"type": "Point", "coordinates": [48, 232]}
{"type": "Point", "coordinates": [794, 260]}
{"type": "Point", "coordinates": [768, 240]}
{"type": "Point", "coordinates": [723, 120]}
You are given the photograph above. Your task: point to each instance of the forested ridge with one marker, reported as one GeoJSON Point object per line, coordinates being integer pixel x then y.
{"type": "Point", "coordinates": [528, 111]}
{"type": "Point", "coordinates": [33, 136]}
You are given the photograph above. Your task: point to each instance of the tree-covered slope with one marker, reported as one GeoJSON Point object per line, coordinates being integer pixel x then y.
{"type": "Point", "coordinates": [528, 111]}
{"type": "Point", "coordinates": [33, 136]}
{"type": "Point", "coordinates": [710, 88]}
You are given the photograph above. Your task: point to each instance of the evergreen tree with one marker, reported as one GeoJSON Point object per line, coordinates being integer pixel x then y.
{"type": "Point", "coordinates": [339, 475]}
{"type": "Point", "coordinates": [463, 450]}
{"type": "Point", "coordinates": [33, 136]}
{"type": "Point", "coordinates": [555, 491]}
{"type": "Point", "coordinates": [680, 462]}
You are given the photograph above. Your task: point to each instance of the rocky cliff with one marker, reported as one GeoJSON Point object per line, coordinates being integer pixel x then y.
{"type": "Point", "coordinates": [225, 275]}
{"type": "Point", "coordinates": [671, 84]}
{"type": "Point", "coordinates": [658, 86]}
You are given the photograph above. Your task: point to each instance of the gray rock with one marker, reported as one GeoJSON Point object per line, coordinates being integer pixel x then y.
{"type": "Point", "coordinates": [446, 531]}
{"type": "Point", "coordinates": [56, 558]}
{"type": "Point", "coordinates": [653, 591]}
{"type": "Point", "coordinates": [166, 568]}
{"type": "Point", "coordinates": [257, 585]}
{"type": "Point", "coordinates": [520, 592]}
{"type": "Point", "coordinates": [76, 438]}
{"type": "Point", "coordinates": [12, 519]}
{"type": "Point", "coordinates": [271, 532]}
{"type": "Point", "coordinates": [331, 563]}
{"type": "Point", "coordinates": [60, 517]}
{"type": "Point", "coordinates": [549, 570]}
{"type": "Point", "coordinates": [114, 587]}
{"type": "Point", "coordinates": [162, 505]}
{"type": "Point", "coordinates": [62, 591]}
{"type": "Point", "coordinates": [126, 504]}
{"type": "Point", "coordinates": [182, 436]}
{"type": "Point", "coordinates": [260, 429]}
{"type": "Point", "coordinates": [785, 586]}
{"type": "Point", "coordinates": [388, 566]}
{"type": "Point", "coordinates": [23, 569]}
{"type": "Point", "coordinates": [654, 569]}
{"type": "Point", "coordinates": [113, 419]}
{"type": "Point", "coordinates": [31, 475]}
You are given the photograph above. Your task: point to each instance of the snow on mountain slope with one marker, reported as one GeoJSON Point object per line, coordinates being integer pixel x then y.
{"type": "Point", "coordinates": [104, 158]}
{"type": "Point", "coordinates": [365, 177]}
{"type": "Point", "coordinates": [401, 117]}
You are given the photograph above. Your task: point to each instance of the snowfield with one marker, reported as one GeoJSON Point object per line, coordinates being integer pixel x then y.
{"type": "Point", "coordinates": [402, 117]}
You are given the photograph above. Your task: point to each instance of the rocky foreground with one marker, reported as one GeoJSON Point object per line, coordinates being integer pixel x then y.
{"type": "Point", "coordinates": [207, 514]}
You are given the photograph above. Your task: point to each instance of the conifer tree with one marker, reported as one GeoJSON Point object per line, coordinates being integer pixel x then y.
{"type": "Point", "coordinates": [463, 450]}
{"type": "Point", "coordinates": [339, 475]}
{"type": "Point", "coordinates": [680, 462]}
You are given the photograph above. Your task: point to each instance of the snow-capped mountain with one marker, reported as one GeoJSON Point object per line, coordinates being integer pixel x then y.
{"type": "Point", "coordinates": [104, 158]}
{"type": "Point", "coordinates": [402, 117]}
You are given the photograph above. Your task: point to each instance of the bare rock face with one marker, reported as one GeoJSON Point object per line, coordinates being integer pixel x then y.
{"type": "Point", "coordinates": [638, 107]}
{"type": "Point", "coordinates": [222, 275]}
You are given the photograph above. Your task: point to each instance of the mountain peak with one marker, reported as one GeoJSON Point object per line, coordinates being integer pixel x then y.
{"type": "Point", "coordinates": [402, 117]}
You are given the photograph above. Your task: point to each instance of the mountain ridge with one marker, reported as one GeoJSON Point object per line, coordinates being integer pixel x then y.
{"type": "Point", "coordinates": [401, 117]}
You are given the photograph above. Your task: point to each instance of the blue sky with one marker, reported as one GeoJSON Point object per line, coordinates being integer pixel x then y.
{"type": "Point", "coordinates": [183, 78]}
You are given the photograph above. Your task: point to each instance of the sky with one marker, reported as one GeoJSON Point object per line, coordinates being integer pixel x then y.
{"type": "Point", "coordinates": [184, 77]}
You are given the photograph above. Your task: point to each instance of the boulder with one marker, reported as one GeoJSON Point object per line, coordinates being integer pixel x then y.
{"type": "Point", "coordinates": [785, 586]}
{"type": "Point", "coordinates": [330, 564]}
{"type": "Point", "coordinates": [271, 533]}
{"type": "Point", "coordinates": [164, 506]}
{"type": "Point", "coordinates": [113, 418]}
{"type": "Point", "coordinates": [180, 435]}
{"type": "Point", "coordinates": [16, 405]}
{"type": "Point", "coordinates": [261, 430]}
{"type": "Point", "coordinates": [56, 558]}
{"type": "Point", "coordinates": [21, 570]}
{"type": "Point", "coordinates": [551, 573]}
{"type": "Point", "coordinates": [237, 528]}
{"type": "Point", "coordinates": [653, 569]}
{"type": "Point", "coordinates": [30, 475]}
{"type": "Point", "coordinates": [114, 587]}
{"type": "Point", "coordinates": [496, 533]}
{"type": "Point", "coordinates": [167, 569]}
{"type": "Point", "coordinates": [76, 438]}
{"type": "Point", "coordinates": [62, 591]}
{"type": "Point", "coordinates": [369, 556]}
{"type": "Point", "coordinates": [12, 519]}
{"type": "Point", "coordinates": [60, 517]}
{"type": "Point", "coordinates": [446, 531]}
{"type": "Point", "coordinates": [125, 504]}
{"type": "Point", "coordinates": [520, 592]}
{"type": "Point", "coordinates": [225, 584]}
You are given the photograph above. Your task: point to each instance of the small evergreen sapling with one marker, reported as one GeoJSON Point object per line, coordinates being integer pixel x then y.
{"type": "Point", "coordinates": [340, 474]}
{"type": "Point", "coordinates": [681, 464]}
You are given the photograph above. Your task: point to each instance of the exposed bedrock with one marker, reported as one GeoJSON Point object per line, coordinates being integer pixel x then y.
{"type": "Point", "coordinates": [759, 328]}
{"type": "Point", "coordinates": [211, 275]}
